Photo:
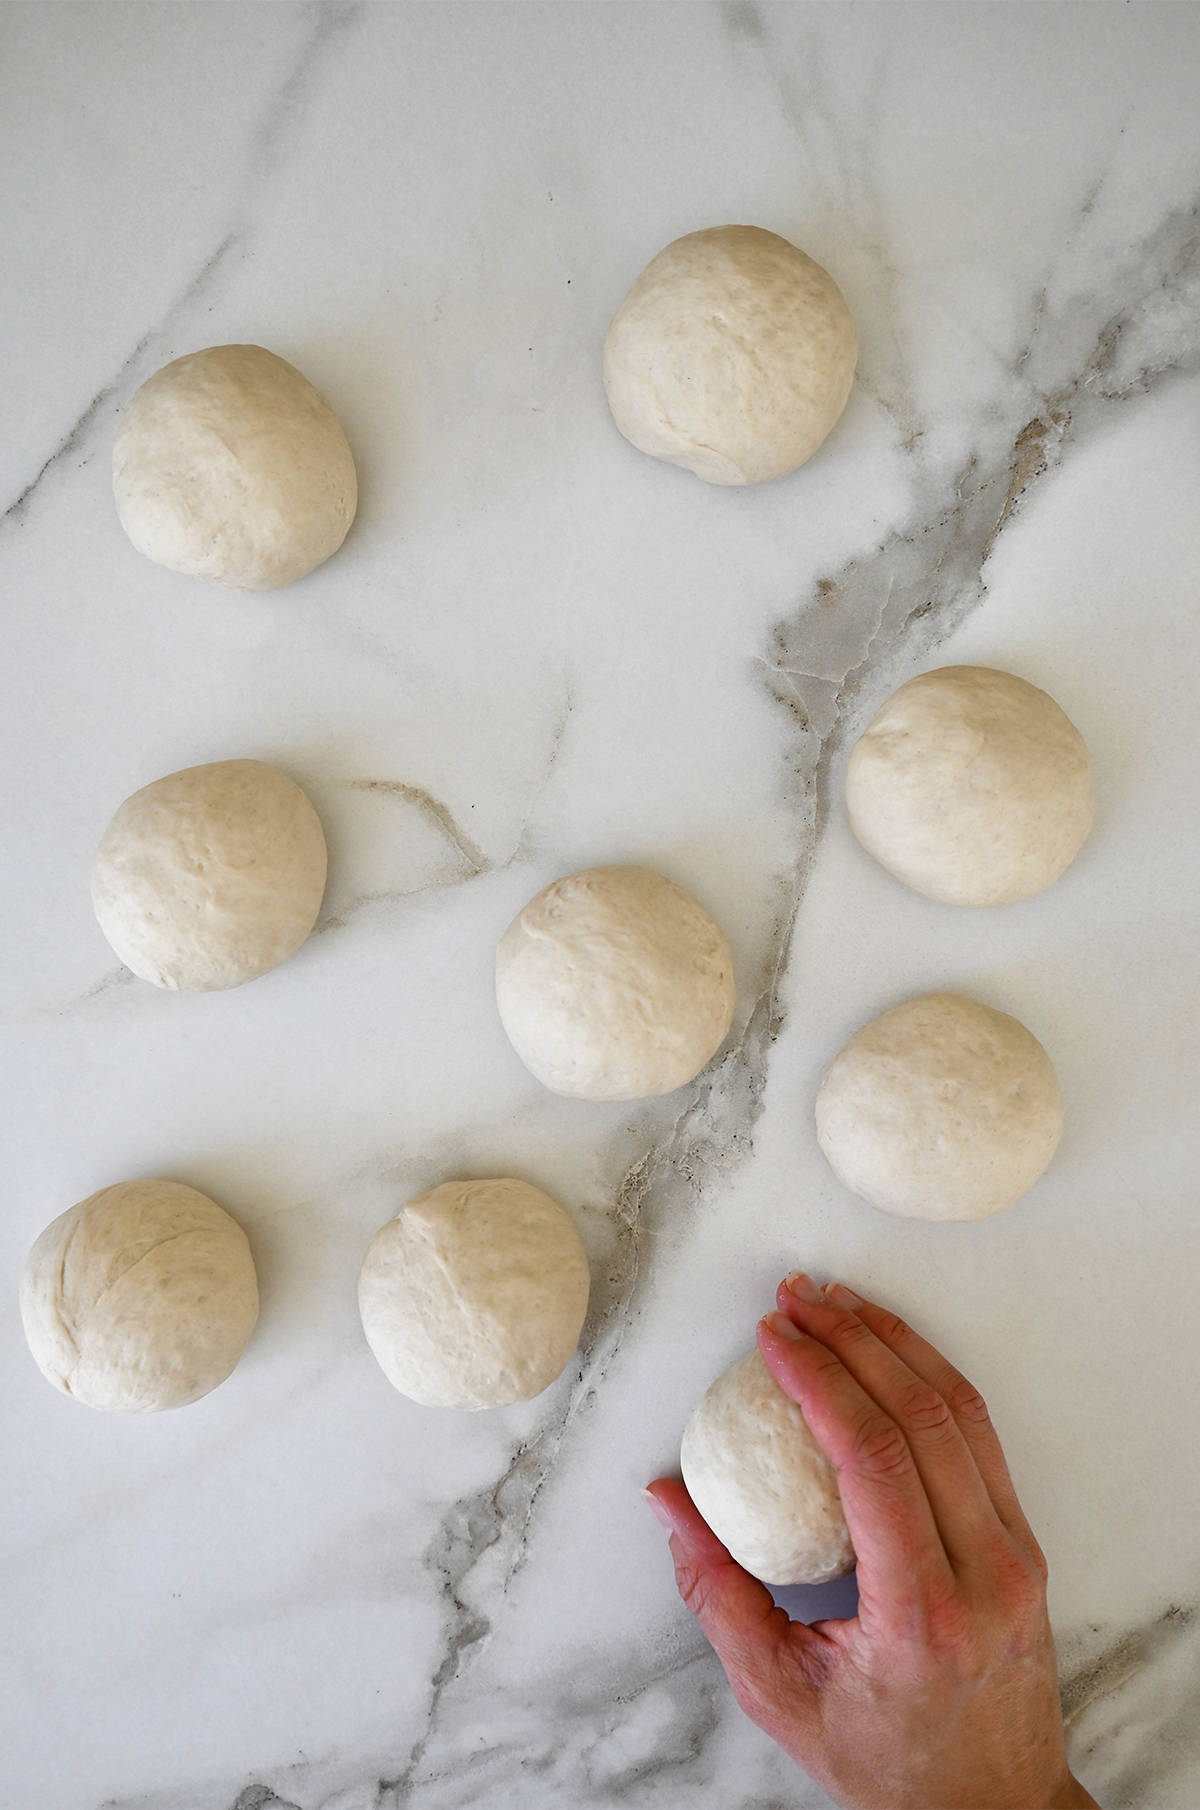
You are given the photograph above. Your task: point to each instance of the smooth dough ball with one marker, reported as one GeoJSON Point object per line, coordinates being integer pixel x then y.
{"type": "Point", "coordinates": [475, 1294]}
{"type": "Point", "coordinates": [971, 786]}
{"type": "Point", "coordinates": [761, 1481]}
{"type": "Point", "coordinates": [732, 355]}
{"type": "Point", "coordinates": [229, 465]}
{"type": "Point", "coordinates": [210, 876]}
{"type": "Point", "coordinates": [141, 1297]}
{"type": "Point", "coordinates": [614, 984]}
{"type": "Point", "coordinates": [940, 1109]}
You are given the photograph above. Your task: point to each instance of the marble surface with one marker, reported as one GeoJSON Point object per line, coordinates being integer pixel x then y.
{"type": "Point", "coordinates": [537, 650]}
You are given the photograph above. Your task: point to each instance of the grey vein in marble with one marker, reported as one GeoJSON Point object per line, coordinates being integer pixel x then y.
{"type": "Point", "coordinates": [328, 24]}
{"type": "Point", "coordinates": [471, 860]}
{"type": "Point", "coordinates": [900, 601]}
{"type": "Point", "coordinates": [895, 604]}
{"type": "Point", "coordinates": [474, 860]}
{"type": "Point", "coordinates": [919, 584]}
{"type": "Point", "coordinates": [889, 607]}
{"type": "Point", "coordinates": [1106, 1712]}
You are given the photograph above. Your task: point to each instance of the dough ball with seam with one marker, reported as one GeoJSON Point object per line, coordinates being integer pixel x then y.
{"type": "Point", "coordinates": [614, 984]}
{"type": "Point", "coordinates": [941, 1108]}
{"type": "Point", "coordinates": [210, 876]}
{"type": "Point", "coordinates": [141, 1297]}
{"type": "Point", "coordinates": [229, 465]}
{"type": "Point", "coordinates": [755, 1471]}
{"type": "Point", "coordinates": [474, 1295]}
{"type": "Point", "coordinates": [733, 355]}
{"type": "Point", "coordinates": [971, 786]}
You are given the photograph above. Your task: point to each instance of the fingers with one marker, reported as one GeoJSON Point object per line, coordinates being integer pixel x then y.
{"type": "Point", "coordinates": [964, 1401]}
{"type": "Point", "coordinates": [755, 1641]}
{"type": "Point", "coordinates": [963, 1510]}
{"type": "Point", "coordinates": [901, 1559]}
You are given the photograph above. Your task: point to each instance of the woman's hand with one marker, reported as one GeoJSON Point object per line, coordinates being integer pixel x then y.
{"type": "Point", "coordinates": [942, 1694]}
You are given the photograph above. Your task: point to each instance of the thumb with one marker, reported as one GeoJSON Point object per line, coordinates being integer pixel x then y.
{"type": "Point", "coordinates": [772, 1664]}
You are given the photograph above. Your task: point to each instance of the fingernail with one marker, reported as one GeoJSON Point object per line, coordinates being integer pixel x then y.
{"type": "Point", "coordinates": [841, 1296]}
{"type": "Point", "coordinates": [803, 1287]}
{"type": "Point", "coordinates": [782, 1327]}
{"type": "Point", "coordinates": [659, 1512]}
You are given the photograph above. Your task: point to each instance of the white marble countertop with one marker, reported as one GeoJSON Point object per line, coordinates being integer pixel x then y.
{"type": "Point", "coordinates": [304, 1591]}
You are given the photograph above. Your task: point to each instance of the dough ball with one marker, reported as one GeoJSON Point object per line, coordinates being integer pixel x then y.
{"type": "Point", "coordinates": [141, 1297]}
{"type": "Point", "coordinates": [229, 465]}
{"type": "Point", "coordinates": [971, 786]}
{"type": "Point", "coordinates": [614, 984]}
{"type": "Point", "coordinates": [210, 876]}
{"type": "Point", "coordinates": [940, 1109]}
{"type": "Point", "coordinates": [475, 1294]}
{"type": "Point", "coordinates": [761, 1481]}
{"type": "Point", "coordinates": [732, 355]}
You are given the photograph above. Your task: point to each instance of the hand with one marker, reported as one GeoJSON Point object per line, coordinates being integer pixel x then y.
{"type": "Point", "coordinates": [942, 1693]}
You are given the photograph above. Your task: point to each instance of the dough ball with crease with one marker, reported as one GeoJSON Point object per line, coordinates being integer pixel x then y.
{"type": "Point", "coordinates": [475, 1294]}
{"type": "Point", "coordinates": [732, 355]}
{"type": "Point", "coordinates": [141, 1297]}
{"type": "Point", "coordinates": [971, 786]}
{"type": "Point", "coordinates": [756, 1473]}
{"type": "Point", "coordinates": [941, 1108]}
{"type": "Point", "coordinates": [229, 465]}
{"type": "Point", "coordinates": [614, 984]}
{"type": "Point", "coordinates": [210, 876]}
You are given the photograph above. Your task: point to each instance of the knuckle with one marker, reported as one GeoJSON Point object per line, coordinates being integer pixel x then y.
{"type": "Point", "coordinates": [749, 1694]}
{"type": "Point", "coordinates": [951, 1629]}
{"type": "Point", "coordinates": [891, 1328]}
{"type": "Point", "coordinates": [825, 1363]}
{"type": "Point", "coordinates": [694, 1587]}
{"type": "Point", "coordinates": [1024, 1588]}
{"type": "Point", "coordinates": [966, 1403]}
{"type": "Point", "coordinates": [1018, 1590]}
{"type": "Point", "coordinates": [848, 1329]}
{"type": "Point", "coordinates": [925, 1410]}
{"type": "Point", "coordinates": [880, 1450]}
{"type": "Point", "coordinates": [1037, 1559]}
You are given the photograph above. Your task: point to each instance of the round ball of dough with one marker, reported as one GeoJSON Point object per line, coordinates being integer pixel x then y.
{"type": "Point", "coordinates": [229, 465]}
{"type": "Point", "coordinates": [210, 876]}
{"type": "Point", "coordinates": [141, 1297]}
{"type": "Point", "coordinates": [971, 786]}
{"type": "Point", "coordinates": [614, 984]}
{"type": "Point", "coordinates": [475, 1294]}
{"type": "Point", "coordinates": [761, 1481]}
{"type": "Point", "coordinates": [732, 355]}
{"type": "Point", "coordinates": [940, 1109]}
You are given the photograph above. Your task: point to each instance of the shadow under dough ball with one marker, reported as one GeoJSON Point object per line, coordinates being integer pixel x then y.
{"type": "Point", "coordinates": [761, 1481]}
{"type": "Point", "coordinates": [141, 1297]}
{"type": "Point", "coordinates": [475, 1294]}
{"type": "Point", "coordinates": [210, 876]}
{"type": "Point", "coordinates": [229, 465]}
{"type": "Point", "coordinates": [941, 1108]}
{"type": "Point", "coordinates": [971, 786]}
{"type": "Point", "coordinates": [614, 984]}
{"type": "Point", "coordinates": [733, 355]}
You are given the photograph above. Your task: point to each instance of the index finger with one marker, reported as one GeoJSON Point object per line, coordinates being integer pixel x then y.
{"type": "Point", "coordinates": [902, 1563]}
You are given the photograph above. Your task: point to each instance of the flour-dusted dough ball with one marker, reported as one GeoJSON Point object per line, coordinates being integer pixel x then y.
{"type": "Point", "coordinates": [971, 786]}
{"type": "Point", "coordinates": [761, 1481]}
{"type": "Point", "coordinates": [210, 876]}
{"type": "Point", "coordinates": [229, 465]}
{"type": "Point", "coordinates": [475, 1294]}
{"type": "Point", "coordinates": [732, 355]}
{"type": "Point", "coordinates": [940, 1109]}
{"type": "Point", "coordinates": [141, 1297]}
{"type": "Point", "coordinates": [614, 984]}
